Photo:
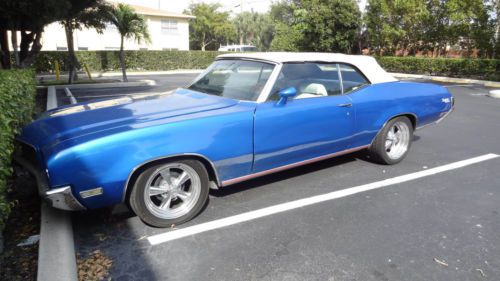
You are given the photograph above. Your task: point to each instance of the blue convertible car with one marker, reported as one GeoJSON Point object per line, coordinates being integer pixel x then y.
{"type": "Point", "coordinates": [245, 116]}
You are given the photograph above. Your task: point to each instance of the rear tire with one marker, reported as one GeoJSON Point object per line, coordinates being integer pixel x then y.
{"type": "Point", "coordinates": [393, 142]}
{"type": "Point", "coordinates": [170, 193]}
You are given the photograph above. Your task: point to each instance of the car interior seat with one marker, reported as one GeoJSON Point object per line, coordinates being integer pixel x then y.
{"type": "Point", "coordinates": [311, 90]}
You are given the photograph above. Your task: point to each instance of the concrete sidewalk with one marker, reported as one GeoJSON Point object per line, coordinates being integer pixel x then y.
{"type": "Point", "coordinates": [447, 79]}
{"type": "Point", "coordinates": [119, 74]}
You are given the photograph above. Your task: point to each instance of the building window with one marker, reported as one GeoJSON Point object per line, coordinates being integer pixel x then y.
{"type": "Point", "coordinates": [62, 48]}
{"type": "Point", "coordinates": [169, 27]}
{"type": "Point", "coordinates": [111, 48]}
{"type": "Point", "coordinates": [83, 48]}
{"type": "Point", "coordinates": [143, 49]}
{"type": "Point", "coordinates": [170, 49]}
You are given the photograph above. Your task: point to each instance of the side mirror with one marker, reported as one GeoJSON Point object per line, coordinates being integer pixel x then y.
{"type": "Point", "coordinates": [285, 94]}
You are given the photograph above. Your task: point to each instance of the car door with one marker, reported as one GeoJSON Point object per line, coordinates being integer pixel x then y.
{"type": "Point", "coordinates": [318, 121]}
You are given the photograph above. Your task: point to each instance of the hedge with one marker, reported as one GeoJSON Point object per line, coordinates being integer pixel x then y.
{"type": "Point", "coordinates": [488, 69]}
{"type": "Point", "coordinates": [135, 60]}
{"type": "Point", "coordinates": [17, 101]}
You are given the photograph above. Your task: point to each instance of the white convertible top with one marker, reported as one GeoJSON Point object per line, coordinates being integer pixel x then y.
{"type": "Point", "coordinates": [366, 64]}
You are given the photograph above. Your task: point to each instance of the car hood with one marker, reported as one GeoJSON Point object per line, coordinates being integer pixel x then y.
{"type": "Point", "coordinates": [116, 115]}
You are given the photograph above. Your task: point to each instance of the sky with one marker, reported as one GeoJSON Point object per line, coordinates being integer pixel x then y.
{"type": "Point", "coordinates": [233, 6]}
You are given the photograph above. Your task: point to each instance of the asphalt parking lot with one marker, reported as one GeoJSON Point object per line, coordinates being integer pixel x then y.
{"type": "Point", "coordinates": [163, 83]}
{"type": "Point", "coordinates": [444, 226]}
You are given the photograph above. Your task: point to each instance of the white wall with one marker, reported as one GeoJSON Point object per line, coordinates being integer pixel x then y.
{"type": "Point", "coordinates": [54, 37]}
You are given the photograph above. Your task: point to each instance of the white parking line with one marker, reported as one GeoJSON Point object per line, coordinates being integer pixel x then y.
{"type": "Point", "coordinates": [207, 226]}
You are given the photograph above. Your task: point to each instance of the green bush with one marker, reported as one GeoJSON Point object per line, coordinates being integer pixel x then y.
{"type": "Point", "coordinates": [488, 69]}
{"type": "Point", "coordinates": [98, 61]}
{"type": "Point", "coordinates": [135, 60]}
{"type": "Point", "coordinates": [17, 101]}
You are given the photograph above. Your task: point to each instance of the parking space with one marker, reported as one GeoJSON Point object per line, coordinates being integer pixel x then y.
{"type": "Point", "coordinates": [441, 226]}
{"type": "Point", "coordinates": [164, 83]}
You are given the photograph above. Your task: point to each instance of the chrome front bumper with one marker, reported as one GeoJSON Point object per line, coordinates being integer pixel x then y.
{"type": "Point", "coordinates": [60, 198]}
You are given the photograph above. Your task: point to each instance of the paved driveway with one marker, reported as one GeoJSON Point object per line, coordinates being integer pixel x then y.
{"type": "Point", "coordinates": [443, 226]}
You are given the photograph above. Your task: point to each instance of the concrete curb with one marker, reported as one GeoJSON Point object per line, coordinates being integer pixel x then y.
{"type": "Point", "coordinates": [133, 73]}
{"type": "Point", "coordinates": [448, 79]}
{"type": "Point", "coordinates": [51, 98]}
{"type": "Point", "coordinates": [139, 83]}
{"type": "Point", "coordinates": [56, 251]}
{"type": "Point", "coordinates": [494, 94]}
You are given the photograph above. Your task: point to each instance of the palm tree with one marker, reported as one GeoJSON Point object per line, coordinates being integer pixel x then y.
{"type": "Point", "coordinates": [130, 25]}
{"type": "Point", "coordinates": [83, 14]}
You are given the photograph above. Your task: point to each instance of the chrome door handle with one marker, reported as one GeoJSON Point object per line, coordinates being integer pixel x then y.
{"type": "Point", "coordinates": [344, 105]}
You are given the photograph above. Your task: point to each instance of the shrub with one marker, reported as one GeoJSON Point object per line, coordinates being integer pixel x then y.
{"type": "Point", "coordinates": [17, 101]}
{"type": "Point", "coordinates": [488, 69]}
{"type": "Point", "coordinates": [135, 60]}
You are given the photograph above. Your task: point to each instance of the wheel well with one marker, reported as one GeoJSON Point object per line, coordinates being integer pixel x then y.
{"type": "Point", "coordinates": [412, 118]}
{"type": "Point", "coordinates": [212, 176]}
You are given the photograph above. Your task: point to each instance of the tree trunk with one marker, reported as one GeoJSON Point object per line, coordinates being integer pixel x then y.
{"type": "Point", "coordinates": [122, 61]}
{"type": "Point", "coordinates": [4, 50]}
{"type": "Point", "coordinates": [72, 61]}
{"type": "Point", "coordinates": [27, 56]}
{"type": "Point", "coordinates": [203, 42]}
{"type": "Point", "coordinates": [13, 37]}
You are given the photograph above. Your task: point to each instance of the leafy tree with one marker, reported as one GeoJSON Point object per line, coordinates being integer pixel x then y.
{"type": "Point", "coordinates": [264, 32]}
{"type": "Point", "coordinates": [330, 25]}
{"type": "Point", "coordinates": [316, 25]}
{"type": "Point", "coordinates": [83, 14]}
{"type": "Point", "coordinates": [394, 24]}
{"type": "Point", "coordinates": [413, 25]}
{"type": "Point", "coordinates": [286, 38]}
{"type": "Point", "coordinates": [245, 24]}
{"type": "Point", "coordinates": [436, 27]}
{"type": "Point", "coordinates": [469, 24]}
{"type": "Point", "coordinates": [29, 18]}
{"type": "Point", "coordinates": [288, 35]}
{"type": "Point", "coordinates": [210, 28]}
{"type": "Point", "coordinates": [129, 25]}
{"type": "Point", "coordinates": [254, 28]}
{"type": "Point", "coordinates": [496, 37]}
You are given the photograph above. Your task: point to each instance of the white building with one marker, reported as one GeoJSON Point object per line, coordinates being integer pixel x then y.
{"type": "Point", "coordinates": [168, 31]}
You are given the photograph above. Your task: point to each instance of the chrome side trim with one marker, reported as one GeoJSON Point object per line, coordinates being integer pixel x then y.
{"type": "Point", "coordinates": [445, 115]}
{"type": "Point", "coordinates": [437, 121]}
{"type": "Point", "coordinates": [125, 189]}
{"type": "Point", "coordinates": [62, 198]}
{"type": "Point", "coordinates": [293, 165]}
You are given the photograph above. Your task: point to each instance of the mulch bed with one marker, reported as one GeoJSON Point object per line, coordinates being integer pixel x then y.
{"type": "Point", "coordinates": [20, 262]}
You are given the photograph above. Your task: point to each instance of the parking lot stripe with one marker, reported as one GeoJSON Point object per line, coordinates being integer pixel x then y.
{"type": "Point", "coordinates": [248, 216]}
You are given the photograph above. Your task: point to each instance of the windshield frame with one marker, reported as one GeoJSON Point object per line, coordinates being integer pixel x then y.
{"type": "Point", "coordinates": [265, 90]}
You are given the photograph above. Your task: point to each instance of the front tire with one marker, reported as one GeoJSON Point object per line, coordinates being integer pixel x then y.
{"type": "Point", "coordinates": [394, 141]}
{"type": "Point", "coordinates": [170, 193]}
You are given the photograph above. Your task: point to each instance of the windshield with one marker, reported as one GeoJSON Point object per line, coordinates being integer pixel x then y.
{"type": "Point", "coordinates": [235, 79]}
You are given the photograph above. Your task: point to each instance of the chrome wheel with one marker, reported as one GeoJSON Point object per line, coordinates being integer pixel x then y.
{"type": "Point", "coordinates": [397, 140]}
{"type": "Point", "coordinates": [172, 191]}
